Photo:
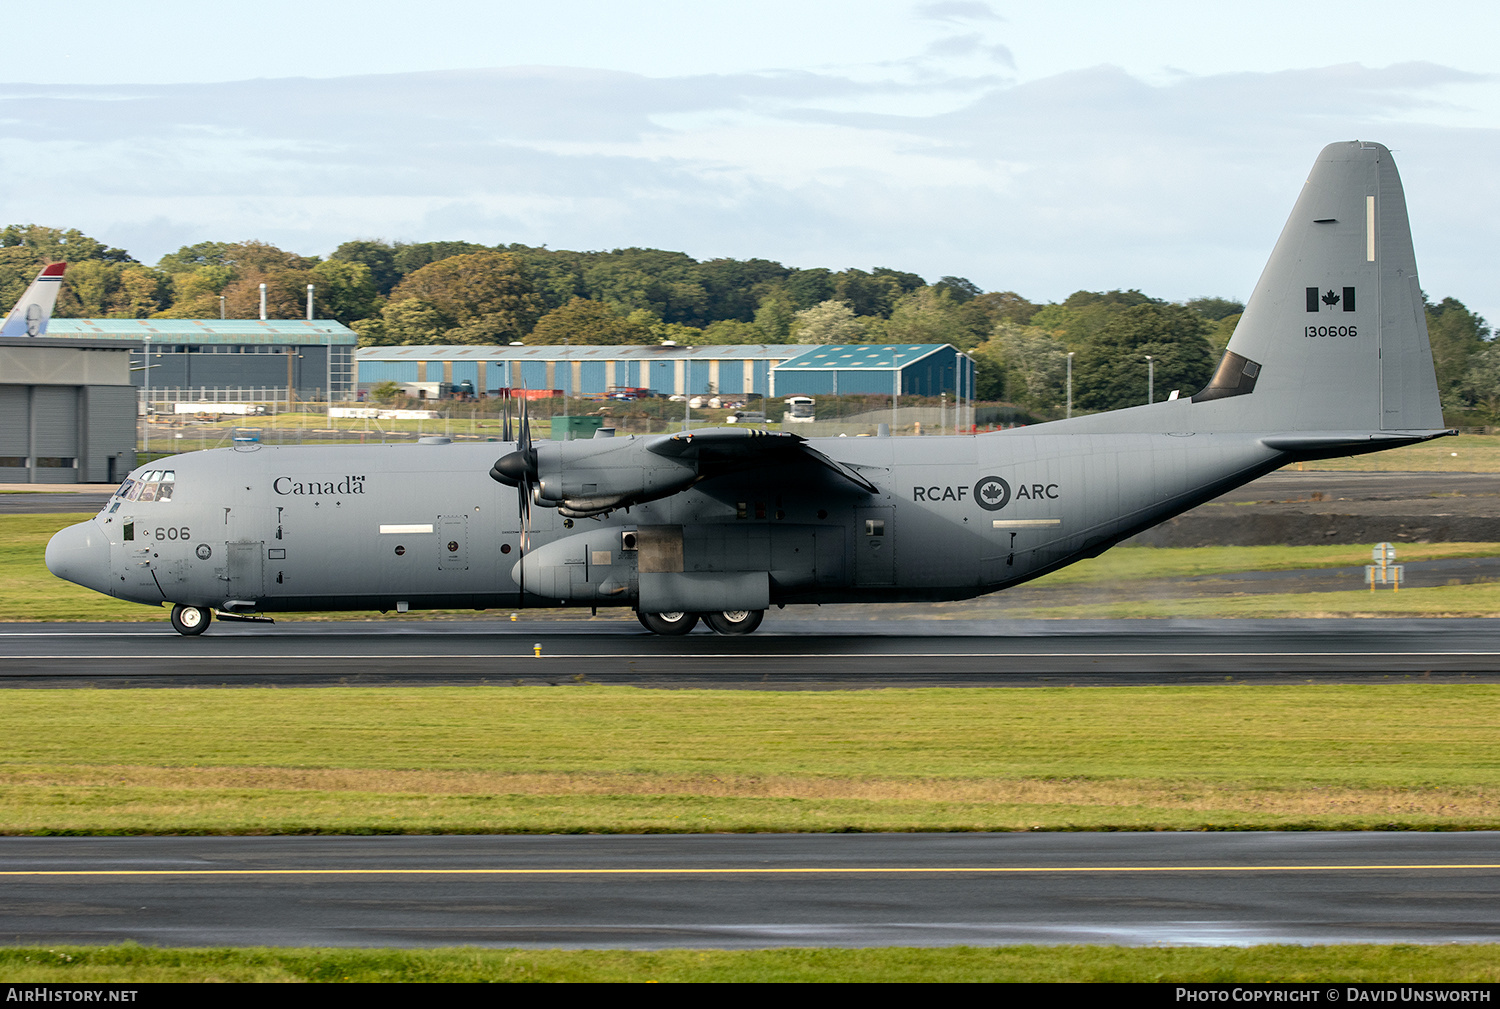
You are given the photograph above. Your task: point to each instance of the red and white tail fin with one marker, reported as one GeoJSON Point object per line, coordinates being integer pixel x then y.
{"type": "Point", "coordinates": [34, 310]}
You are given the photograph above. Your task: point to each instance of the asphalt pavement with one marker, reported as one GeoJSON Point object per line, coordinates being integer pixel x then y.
{"type": "Point", "coordinates": [750, 891]}
{"type": "Point", "coordinates": [788, 652]}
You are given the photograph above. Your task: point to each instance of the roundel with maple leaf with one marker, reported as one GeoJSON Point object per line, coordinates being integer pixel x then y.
{"type": "Point", "coordinates": [992, 493]}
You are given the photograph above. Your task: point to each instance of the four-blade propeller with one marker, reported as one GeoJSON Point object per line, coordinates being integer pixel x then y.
{"type": "Point", "coordinates": [518, 469]}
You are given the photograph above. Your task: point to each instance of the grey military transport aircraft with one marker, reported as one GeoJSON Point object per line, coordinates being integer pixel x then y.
{"type": "Point", "coordinates": [1331, 358]}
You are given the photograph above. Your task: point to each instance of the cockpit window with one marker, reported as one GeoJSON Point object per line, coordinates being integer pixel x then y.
{"type": "Point", "coordinates": [153, 485]}
{"type": "Point", "coordinates": [125, 489]}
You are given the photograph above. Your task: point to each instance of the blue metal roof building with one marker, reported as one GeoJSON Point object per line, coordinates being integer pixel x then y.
{"type": "Point", "coordinates": [905, 369]}
{"type": "Point", "coordinates": [744, 369]}
{"type": "Point", "coordinates": [307, 355]}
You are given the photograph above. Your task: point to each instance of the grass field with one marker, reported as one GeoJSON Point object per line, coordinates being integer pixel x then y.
{"type": "Point", "coordinates": [1320, 964]}
{"type": "Point", "coordinates": [584, 758]}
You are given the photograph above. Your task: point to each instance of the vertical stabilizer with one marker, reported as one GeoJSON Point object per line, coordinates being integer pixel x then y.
{"type": "Point", "coordinates": [1334, 337]}
{"type": "Point", "coordinates": [32, 313]}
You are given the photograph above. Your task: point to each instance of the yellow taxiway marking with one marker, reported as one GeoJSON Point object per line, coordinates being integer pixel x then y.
{"type": "Point", "coordinates": [748, 870]}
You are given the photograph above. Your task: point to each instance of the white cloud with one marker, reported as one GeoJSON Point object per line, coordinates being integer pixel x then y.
{"type": "Point", "coordinates": [1095, 178]}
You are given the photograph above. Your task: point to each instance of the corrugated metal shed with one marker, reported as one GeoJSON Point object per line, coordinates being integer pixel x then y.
{"type": "Point", "coordinates": [206, 331]}
{"type": "Point", "coordinates": [738, 369]}
{"type": "Point", "coordinates": [200, 357]}
{"type": "Point", "coordinates": [558, 352]}
{"type": "Point", "coordinates": [920, 369]}
{"type": "Point", "coordinates": [67, 411]}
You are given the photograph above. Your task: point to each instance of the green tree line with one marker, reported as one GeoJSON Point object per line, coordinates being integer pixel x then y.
{"type": "Point", "coordinates": [464, 293]}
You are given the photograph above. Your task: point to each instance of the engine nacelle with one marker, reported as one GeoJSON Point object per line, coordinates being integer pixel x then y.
{"type": "Point", "coordinates": [589, 477]}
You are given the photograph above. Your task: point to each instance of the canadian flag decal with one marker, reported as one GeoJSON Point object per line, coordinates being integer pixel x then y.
{"type": "Point", "coordinates": [1317, 298]}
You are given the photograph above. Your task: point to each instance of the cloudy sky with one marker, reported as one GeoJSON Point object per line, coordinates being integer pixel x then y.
{"type": "Point", "coordinates": [1038, 147]}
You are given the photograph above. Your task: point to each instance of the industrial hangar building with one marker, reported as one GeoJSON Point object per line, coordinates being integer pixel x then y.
{"type": "Point", "coordinates": [68, 400]}
{"type": "Point", "coordinates": [206, 358]}
{"type": "Point", "coordinates": [580, 371]}
{"type": "Point", "coordinates": [906, 369]}
{"type": "Point", "coordinates": [735, 370]}
{"type": "Point", "coordinates": [67, 411]}
{"type": "Point", "coordinates": [210, 359]}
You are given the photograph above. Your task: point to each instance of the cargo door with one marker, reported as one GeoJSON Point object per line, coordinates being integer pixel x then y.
{"type": "Point", "coordinates": [246, 570]}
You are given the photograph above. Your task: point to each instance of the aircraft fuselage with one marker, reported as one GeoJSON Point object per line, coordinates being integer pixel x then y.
{"type": "Point", "coordinates": [268, 529]}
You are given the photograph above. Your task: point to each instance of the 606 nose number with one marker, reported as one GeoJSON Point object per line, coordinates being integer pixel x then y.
{"type": "Point", "coordinates": [173, 533]}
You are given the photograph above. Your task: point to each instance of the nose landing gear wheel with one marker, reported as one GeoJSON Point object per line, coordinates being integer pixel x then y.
{"type": "Point", "coordinates": [668, 623]}
{"type": "Point", "coordinates": [191, 620]}
{"type": "Point", "coordinates": [734, 621]}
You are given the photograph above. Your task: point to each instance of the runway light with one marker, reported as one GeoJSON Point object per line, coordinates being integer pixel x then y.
{"type": "Point", "coordinates": [536, 649]}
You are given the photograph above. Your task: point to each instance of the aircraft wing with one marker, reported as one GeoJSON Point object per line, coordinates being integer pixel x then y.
{"type": "Point", "coordinates": [582, 478]}
{"type": "Point", "coordinates": [718, 450]}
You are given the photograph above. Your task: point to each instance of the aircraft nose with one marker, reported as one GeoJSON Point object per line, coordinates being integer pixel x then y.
{"type": "Point", "coordinates": [80, 554]}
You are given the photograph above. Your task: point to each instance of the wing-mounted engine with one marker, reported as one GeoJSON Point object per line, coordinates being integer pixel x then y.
{"type": "Point", "coordinates": [583, 478]}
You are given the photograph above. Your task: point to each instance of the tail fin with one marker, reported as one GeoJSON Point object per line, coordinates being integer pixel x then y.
{"type": "Point", "coordinates": [34, 310]}
{"type": "Point", "coordinates": [1334, 337]}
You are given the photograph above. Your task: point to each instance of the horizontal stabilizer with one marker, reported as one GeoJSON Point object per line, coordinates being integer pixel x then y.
{"type": "Point", "coordinates": [1347, 442]}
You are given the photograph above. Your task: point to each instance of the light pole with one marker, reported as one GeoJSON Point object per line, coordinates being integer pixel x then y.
{"type": "Point", "coordinates": [1150, 380]}
{"type": "Point", "coordinates": [146, 418]}
{"type": "Point", "coordinates": [328, 364]}
{"type": "Point", "coordinates": [1070, 383]}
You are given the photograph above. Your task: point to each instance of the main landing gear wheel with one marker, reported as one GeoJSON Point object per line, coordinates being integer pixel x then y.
{"type": "Point", "coordinates": [734, 621]}
{"type": "Point", "coordinates": [668, 623]}
{"type": "Point", "coordinates": [191, 619]}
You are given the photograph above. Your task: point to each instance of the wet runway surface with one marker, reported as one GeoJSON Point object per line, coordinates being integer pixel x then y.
{"type": "Point", "coordinates": [48, 503]}
{"type": "Point", "coordinates": [747, 891]}
{"type": "Point", "coordinates": [787, 653]}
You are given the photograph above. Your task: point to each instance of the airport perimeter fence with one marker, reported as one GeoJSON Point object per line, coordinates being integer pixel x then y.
{"type": "Point", "coordinates": [181, 420]}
